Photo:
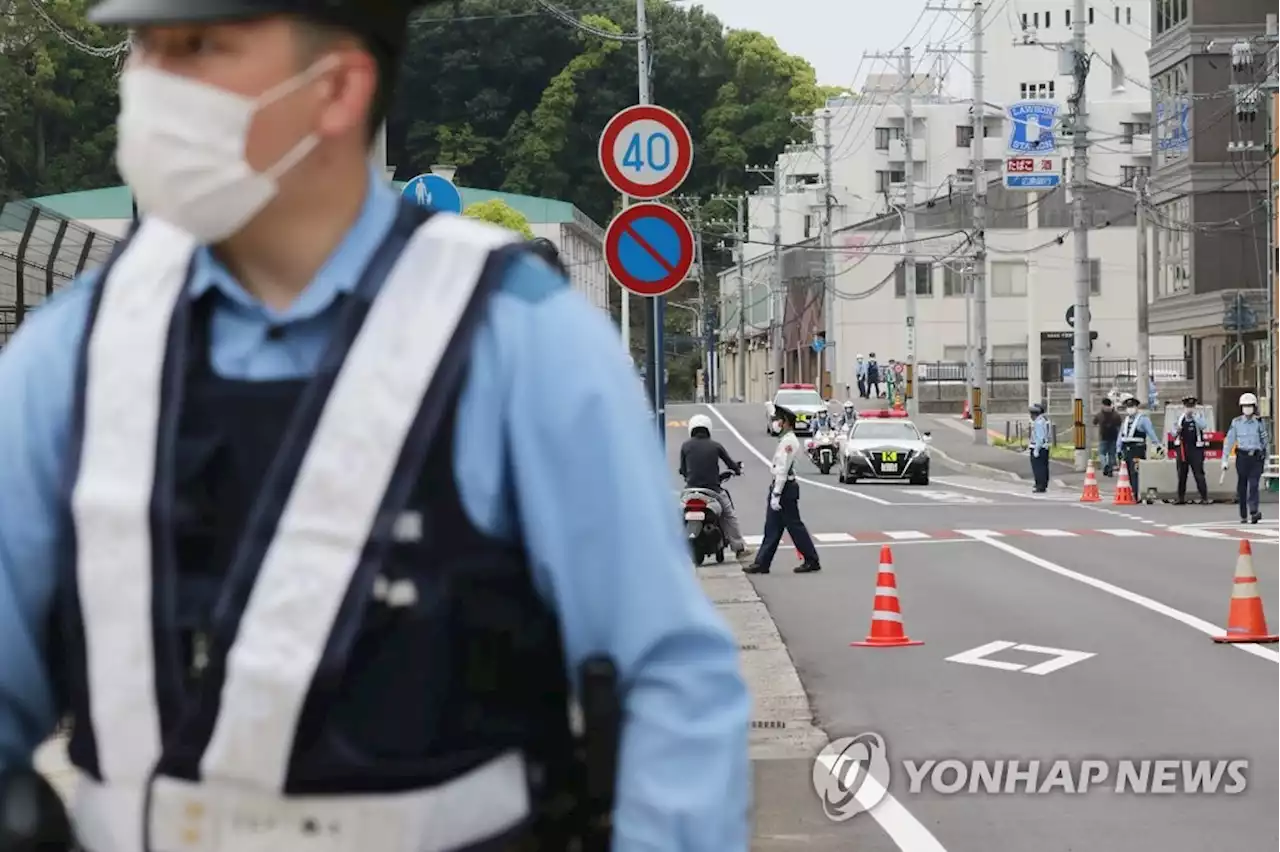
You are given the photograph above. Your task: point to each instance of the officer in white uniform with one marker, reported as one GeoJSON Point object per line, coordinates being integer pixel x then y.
{"type": "Point", "coordinates": [783, 513]}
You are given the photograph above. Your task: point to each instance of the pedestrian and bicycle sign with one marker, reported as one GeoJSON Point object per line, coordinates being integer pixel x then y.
{"type": "Point", "coordinates": [435, 192]}
{"type": "Point", "coordinates": [649, 249]}
{"type": "Point", "coordinates": [646, 152]}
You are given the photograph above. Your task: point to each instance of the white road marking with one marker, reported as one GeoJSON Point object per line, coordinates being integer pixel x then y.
{"type": "Point", "coordinates": [833, 538]}
{"type": "Point", "coordinates": [947, 496]}
{"type": "Point", "coordinates": [906, 535]}
{"type": "Point", "coordinates": [1198, 533]}
{"type": "Point", "coordinates": [1132, 597]}
{"type": "Point", "coordinates": [907, 832]}
{"type": "Point", "coordinates": [980, 533]}
{"type": "Point", "coordinates": [980, 656]}
{"type": "Point", "coordinates": [1124, 533]}
{"type": "Point", "coordinates": [1053, 533]}
{"type": "Point", "coordinates": [769, 463]}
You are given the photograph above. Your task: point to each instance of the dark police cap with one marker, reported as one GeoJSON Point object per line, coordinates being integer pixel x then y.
{"type": "Point", "coordinates": [384, 21]}
{"type": "Point", "coordinates": [1190, 400]}
{"type": "Point", "coordinates": [784, 413]}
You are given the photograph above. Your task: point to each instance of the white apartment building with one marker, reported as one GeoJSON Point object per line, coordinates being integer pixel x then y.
{"type": "Point", "coordinates": [870, 173]}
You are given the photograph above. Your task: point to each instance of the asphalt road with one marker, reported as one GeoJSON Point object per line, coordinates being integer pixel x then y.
{"type": "Point", "coordinates": [1140, 589]}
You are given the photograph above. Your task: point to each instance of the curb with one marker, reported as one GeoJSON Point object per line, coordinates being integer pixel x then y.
{"type": "Point", "coordinates": [996, 472]}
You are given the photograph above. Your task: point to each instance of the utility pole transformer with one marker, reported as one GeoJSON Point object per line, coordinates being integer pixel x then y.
{"type": "Point", "coordinates": [1080, 234]}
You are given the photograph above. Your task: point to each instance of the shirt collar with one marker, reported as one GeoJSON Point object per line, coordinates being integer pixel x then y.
{"type": "Point", "coordinates": [338, 276]}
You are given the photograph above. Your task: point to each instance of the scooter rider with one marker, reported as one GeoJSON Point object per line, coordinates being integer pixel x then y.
{"type": "Point", "coordinates": [700, 458]}
{"type": "Point", "coordinates": [784, 502]}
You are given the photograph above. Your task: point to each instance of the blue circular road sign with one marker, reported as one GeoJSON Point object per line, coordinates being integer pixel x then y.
{"type": "Point", "coordinates": [435, 192]}
{"type": "Point", "coordinates": [649, 249]}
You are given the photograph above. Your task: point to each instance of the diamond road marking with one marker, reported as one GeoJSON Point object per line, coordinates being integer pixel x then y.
{"type": "Point", "coordinates": [906, 535]}
{"type": "Point", "coordinates": [1061, 658]}
{"type": "Point", "coordinates": [833, 538]}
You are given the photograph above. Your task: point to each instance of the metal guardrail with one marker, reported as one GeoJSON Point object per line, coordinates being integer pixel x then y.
{"type": "Point", "coordinates": [1101, 370]}
{"type": "Point", "coordinates": [41, 252]}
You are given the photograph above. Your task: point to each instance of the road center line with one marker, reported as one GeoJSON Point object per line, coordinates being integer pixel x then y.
{"type": "Point", "coordinates": [769, 463]}
{"type": "Point", "coordinates": [1124, 594]}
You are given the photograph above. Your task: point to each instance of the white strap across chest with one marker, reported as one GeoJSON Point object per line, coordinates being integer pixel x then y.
{"type": "Point", "coordinates": [325, 523]}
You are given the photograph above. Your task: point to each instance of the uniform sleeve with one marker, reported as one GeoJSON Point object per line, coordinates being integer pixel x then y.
{"type": "Point", "coordinates": [36, 375]}
{"type": "Point", "coordinates": [601, 527]}
{"type": "Point", "coordinates": [782, 464]}
{"type": "Point", "coordinates": [1229, 442]}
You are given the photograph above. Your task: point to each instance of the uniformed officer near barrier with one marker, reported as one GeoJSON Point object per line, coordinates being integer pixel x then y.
{"type": "Point", "coordinates": [313, 533]}
{"type": "Point", "coordinates": [783, 511]}
{"type": "Point", "coordinates": [1248, 437]}
{"type": "Point", "coordinates": [1038, 448]}
{"type": "Point", "coordinates": [1189, 446]}
{"type": "Point", "coordinates": [1135, 432]}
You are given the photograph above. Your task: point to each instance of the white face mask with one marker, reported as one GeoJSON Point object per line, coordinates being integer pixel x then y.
{"type": "Point", "coordinates": [777, 425]}
{"type": "Point", "coordinates": [1131, 411]}
{"type": "Point", "coordinates": [1248, 410]}
{"type": "Point", "coordinates": [181, 148]}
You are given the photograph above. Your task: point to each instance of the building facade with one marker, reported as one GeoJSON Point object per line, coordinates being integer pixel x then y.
{"type": "Point", "coordinates": [870, 172]}
{"type": "Point", "coordinates": [101, 216]}
{"type": "Point", "coordinates": [1210, 66]}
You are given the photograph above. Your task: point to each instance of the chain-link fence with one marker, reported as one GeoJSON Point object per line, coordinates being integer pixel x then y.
{"type": "Point", "coordinates": [41, 251]}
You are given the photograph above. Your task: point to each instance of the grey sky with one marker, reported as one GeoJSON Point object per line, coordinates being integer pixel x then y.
{"type": "Point", "coordinates": [831, 34]}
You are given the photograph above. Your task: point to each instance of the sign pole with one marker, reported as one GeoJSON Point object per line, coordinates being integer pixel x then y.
{"type": "Point", "coordinates": [655, 363]}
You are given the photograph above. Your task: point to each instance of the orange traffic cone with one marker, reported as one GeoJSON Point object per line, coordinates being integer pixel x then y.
{"type": "Point", "coordinates": [887, 630]}
{"type": "Point", "coordinates": [964, 412]}
{"type": "Point", "coordinates": [1246, 622]}
{"type": "Point", "coordinates": [1124, 491]}
{"type": "Point", "coordinates": [1091, 494]}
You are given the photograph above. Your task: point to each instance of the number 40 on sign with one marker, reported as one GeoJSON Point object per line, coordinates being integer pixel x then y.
{"type": "Point", "coordinates": [646, 152]}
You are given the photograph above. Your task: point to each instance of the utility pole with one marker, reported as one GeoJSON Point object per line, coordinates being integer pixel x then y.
{"type": "Point", "coordinates": [1080, 230]}
{"type": "Point", "coordinates": [741, 236]}
{"type": "Point", "coordinates": [692, 207]}
{"type": "Point", "coordinates": [776, 302]}
{"type": "Point", "coordinates": [977, 292]}
{"type": "Point", "coordinates": [656, 362]}
{"type": "Point", "coordinates": [978, 393]}
{"type": "Point", "coordinates": [909, 226]}
{"type": "Point", "coordinates": [1144, 326]}
{"type": "Point", "coordinates": [826, 375]}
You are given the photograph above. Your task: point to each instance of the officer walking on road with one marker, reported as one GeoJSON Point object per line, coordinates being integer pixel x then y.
{"type": "Point", "coordinates": [307, 500]}
{"type": "Point", "coordinates": [1041, 440]}
{"type": "Point", "coordinates": [784, 502]}
{"type": "Point", "coordinates": [1135, 431]}
{"type": "Point", "coordinates": [1248, 436]}
{"type": "Point", "coordinates": [1189, 444]}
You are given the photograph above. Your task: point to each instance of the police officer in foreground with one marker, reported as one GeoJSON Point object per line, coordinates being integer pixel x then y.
{"type": "Point", "coordinates": [783, 511]}
{"type": "Point", "coordinates": [1248, 437]}
{"type": "Point", "coordinates": [547, 250]}
{"type": "Point", "coordinates": [302, 528]}
{"type": "Point", "coordinates": [1189, 445]}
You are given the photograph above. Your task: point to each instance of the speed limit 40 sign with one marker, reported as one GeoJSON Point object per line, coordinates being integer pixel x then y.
{"type": "Point", "coordinates": [646, 152]}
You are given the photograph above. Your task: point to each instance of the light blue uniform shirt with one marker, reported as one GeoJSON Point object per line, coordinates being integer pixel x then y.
{"type": "Point", "coordinates": [861, 367]}
{"type": "Point", "coordinates": [550, 385]}
{"type": "Point", "coordinates": [1136, 426]}
{"type": "Point", "coordinates": [1040, 434]}
{"type": "Point", "coordinates": [1247, 434]}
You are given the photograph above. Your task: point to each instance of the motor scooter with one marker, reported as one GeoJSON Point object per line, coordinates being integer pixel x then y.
{"type": "Point", "coordinates": [823, 450]}
{"type": "Point", "coordinates": [702, 520]}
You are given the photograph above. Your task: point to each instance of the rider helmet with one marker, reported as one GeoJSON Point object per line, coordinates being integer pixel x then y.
{"type": "Point", "coordinates": [1248, 399]}
{"type": "Point", "coordinates": [699, 421]}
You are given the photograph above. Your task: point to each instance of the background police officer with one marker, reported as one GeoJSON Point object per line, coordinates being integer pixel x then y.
{"type": "Point", "coordinates": [1189, 444]}
{"type": "Point", "coordinates": [1248, 436]}
{"type": "Point", "coordinates": [306, 490]}
{"type": "Point", "coordinates": [1038, 448]}
{"type": "Point", "coordinates": [783, 511]}
{"type": "Point", "coordinates": [1135, 431]}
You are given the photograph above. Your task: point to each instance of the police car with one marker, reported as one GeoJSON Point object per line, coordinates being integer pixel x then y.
{"type": "Point", "coordinates": [884, 445]}
{"type": "Point", "coordinates": [804, 400]}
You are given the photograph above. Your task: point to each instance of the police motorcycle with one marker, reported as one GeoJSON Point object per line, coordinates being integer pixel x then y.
{"type": "Point", "coordinates": [702, 520]}
{"type": "Point", "coordinates": [824, 448]}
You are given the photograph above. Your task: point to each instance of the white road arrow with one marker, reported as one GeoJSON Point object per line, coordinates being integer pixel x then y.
{"type": "Point", "coordinates": [1061, 658]}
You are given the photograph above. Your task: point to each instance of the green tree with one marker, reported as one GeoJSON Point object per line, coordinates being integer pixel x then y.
{"type": "Point", "coordinates": [57, 100]}
{"type": "Point", "coordinates": [495, 211]}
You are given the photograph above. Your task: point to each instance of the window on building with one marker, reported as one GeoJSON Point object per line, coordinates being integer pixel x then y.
{"type": "Point", "coordinates": [1008, 278]}
{"type": "Point", "coordinates": [1128, 14]}
{"type": "Point", "coordinates": [1129, 174]}
{"type": "Point", "coordinates": [964, 135]}
{"type": "Point", "coordinates": [1035, 20]}
{"type": "Point", "coordinates": [1095, 277]}
{"type": "Point", "coordinates": [1117, 11]}
{"type": "Point", "coordinates": [1091, 14]}
{"type": "Point", "coordinates": [1067, 23]}
{"type": "Point", "coordinates": [1117, 72]}
{"type": "Point", "coordinates": [884, 135]}
{"type": "Point", "coordinates": [964, 174]}
{"type": "Point", "coordinates": [924, 280]}
{"type": "Point", "coordinates": [1130, 129]}
{"type": "Point", "coordinates": [1025, 21]}
{"type": "Point", "coordinates": [953, 282]}
{"type": "Point", "coordinates": [1043, 90]}
{"type": "Point", "coordinates": [885, 178]}
{"type": "Point", "coordinates": [1170, 13]}
{"type": "Point", "coordinates": [1046, 20]}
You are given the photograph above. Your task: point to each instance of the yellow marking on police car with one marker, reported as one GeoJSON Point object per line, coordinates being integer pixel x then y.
{"type": "Point", "coordinates": [889, 456]}
{"type": "Point", "coordinates": [676, 424]}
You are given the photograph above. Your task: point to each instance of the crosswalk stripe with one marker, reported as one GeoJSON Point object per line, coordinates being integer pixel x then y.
{"type": "Point", "coordinates": [1123, 533]}
{"type": "Point", "coordinates": [981, 533]}
{"type": "Point", "coordinates": [1052, 533]}
{"type": "Point", "coordinates": [906, 535]}
{"type": "Point", "coordinates": [833, 538]}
